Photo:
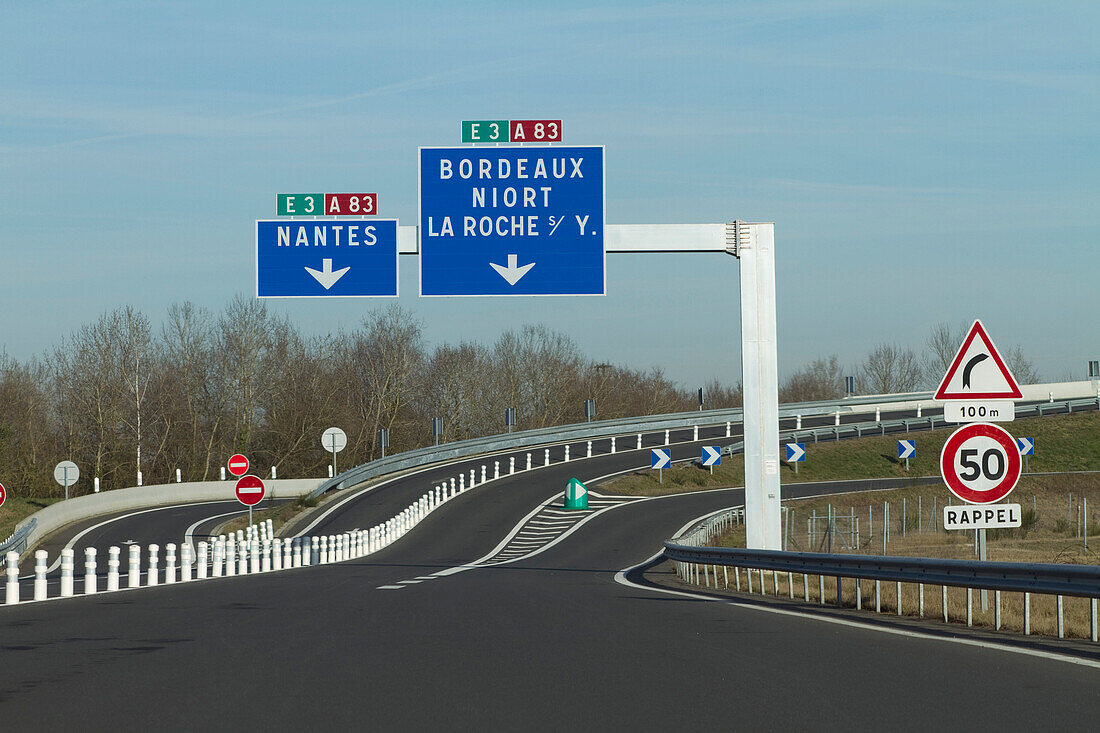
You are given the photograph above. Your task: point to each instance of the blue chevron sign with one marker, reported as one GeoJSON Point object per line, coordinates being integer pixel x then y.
{"type": "Point", "coordinates": [712, 455]}
{"type": "Point", "coordinates": [907, 448]}
{"type": "Point", "coordinates": [661, 458]}
{"type": "Point", "coordinates": [796, 452]}
{"type": "Point", "coordinates": [1026, 446]}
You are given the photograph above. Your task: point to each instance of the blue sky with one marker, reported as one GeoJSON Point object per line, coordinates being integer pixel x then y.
{"type": "Point", "coordinates": [922, 161]}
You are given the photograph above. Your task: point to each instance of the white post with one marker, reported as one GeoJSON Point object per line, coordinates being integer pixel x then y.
{"type": "Point", "coordinates": [878, 414]}
{"type": "Point", "coordinates": [40, 575]}
{"type": "Point", "coordinates": [66, 572]}
{"type": "Point", "coordinates": [154, 574]}
{"type": "Point", "coordinates": [589, 454]}
{"type": "Point", "coordinates": [546, 457]}
{"type": "Point", "coordinates": [511, 465]}
{"type": "Point", "coordinates": [256, 567]}
{"type": "Point", "coordinates": [836, 421]}
{"type": "Point", "coordinates": [179, 476]}
{"type": "Point", "coordinates": [11, 588]}
{"type": "Point", "coordinates": [314, 553]}
{"type": "Point", "coordinates": [918, 409]}
{"type": "Point", "coordinates": [133, 578]}
{"type": "Point", "coordinates": [472, 478]}
{"type": "Point", "coordinates": [797, 423]}
{"type": "Point", "coordinates": [483, 474]}
{"type": "Point", "coordinates": [270, 528]}
{"type": "Point", "coordinates": [286, 554]}
{"type": "Point", "coordinates": [462, 481]}
{"type": "Point", "coordinates": [266, 565]}
{"type": "Point", "coordinates": [170, 563]}
{"type": "Point", "coordinates": [217, 548]}
{"type": "Point", "coordinates": [639, 447]}
{"type": "Point", "coordinates": [528, 461]}
{"type": "Point", "coordinates": [138, 482]}
{"type": "Point", "coordinates": [230, 556]}
{"type": "Point", "coordinates": [666, 437]}
{"type": "Point", "coordinates": [567, 452]}
{"type": "Point", "coordinates": [297, 545]}
{"type": "Point", "coordinates": [496, 464]}
{"type": "Point", "coordinates": [223, 473]}
{"type": "Point", "coordinates": [188, 570]}
{"type": "Point", "coordinates": [324, 550]}
{"type": "Point", "coordinates": [728, 429]}
{"type": "Point", "coordinates": [272, 473]}
{"type": "Point", "coordinates": [761, 390]}
{"type": "Point", "coordinates": [112, 567]}
{"type": "Point", "coordinates": [242, 555]}
{"type": "Point", "coordinates": [612, 443]}
{"type": "Point", "coordinates": [453, 490]}
{"type": "Point", "coordinates": [95, 483]}
{"type": "Point", "coordinates": [330, 474]}
{"type": "Point", "coordinates": [695, 433]}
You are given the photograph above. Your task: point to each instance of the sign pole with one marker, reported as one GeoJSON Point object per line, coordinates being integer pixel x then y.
{"type": "Point", "coordinates": [250, 515]}
{"type": "Point", "coordinates": [982, 558]}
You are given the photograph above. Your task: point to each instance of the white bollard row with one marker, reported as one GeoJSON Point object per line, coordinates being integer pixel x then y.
{"type": "Point", "coordinates": [254, 549]}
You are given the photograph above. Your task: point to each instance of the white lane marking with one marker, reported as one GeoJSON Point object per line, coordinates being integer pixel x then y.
{"type": "Point", "coordinates": [390, 587]}
{"type": "Point", "coordinates": [409, 582]}
{"type": "Point", "coordinates": [72, 543]}
{"type": "Point", "coordinates": [425, 577]}
{"type": "Point", "coordinates": [621, 579]}
{"type": "Point", "coordinates": [189, 535]}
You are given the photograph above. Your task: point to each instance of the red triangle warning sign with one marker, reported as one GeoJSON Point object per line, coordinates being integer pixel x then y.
{"type": "Point", "coordinates": [978, 372]}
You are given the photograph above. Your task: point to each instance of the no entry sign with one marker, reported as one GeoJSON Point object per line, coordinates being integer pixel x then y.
{"type": "Point", "coordinates": [238, 465]}
{"type": "Point", "coordinates": [250, 490]}
{"type": "Point", "coordinates": [3, 495]}
{"type": "Point", "coordinates": [980, 463]}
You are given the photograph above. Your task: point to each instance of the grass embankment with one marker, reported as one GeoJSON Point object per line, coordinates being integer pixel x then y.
{"type": "Point", "coordinates": [1062, 443]}
{"type": "Point", "coordinates": [18, 508]}
{"type": "Point", "coordinates": [279, 515]}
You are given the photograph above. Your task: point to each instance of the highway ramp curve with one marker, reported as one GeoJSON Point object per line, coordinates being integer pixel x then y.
{"type": "Point", "coordinates": [393, 641]}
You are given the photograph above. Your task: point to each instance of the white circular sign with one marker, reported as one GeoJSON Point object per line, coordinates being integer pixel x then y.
{"type": "Point", "coordinates": [334, 440]}
{"type": "Point", "coordinates": [980, 463]}
{"type": "Point", "coordinates": [66, 473]}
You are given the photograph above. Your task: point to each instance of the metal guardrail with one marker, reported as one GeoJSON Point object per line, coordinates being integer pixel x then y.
{"type": "Point", "coordinates": [18, 540]}
{"type": "Point", "coordinates": [690, 553]}
{"type": "Point", "coordinates": [672, 421]}
{"type": "Point", "coordinates": [1052, 579]}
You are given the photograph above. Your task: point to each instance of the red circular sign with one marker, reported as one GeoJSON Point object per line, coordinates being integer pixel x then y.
{"type": "Point", "coordinates": [238, 465]}
{"type": "Point", "coordinates": [3, 494]}
{"type": "Point", "coordinates": [980, 463]}
{"type": "Point", "coordinates": [250, 490]}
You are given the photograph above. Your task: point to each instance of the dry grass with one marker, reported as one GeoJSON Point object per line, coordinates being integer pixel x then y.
{"type": "Point", "coordinates": [18, 508]}
{"type": "Point", "coordinates": [278, 515]}
{"type": "Point", "coordinates": [1076, 611]}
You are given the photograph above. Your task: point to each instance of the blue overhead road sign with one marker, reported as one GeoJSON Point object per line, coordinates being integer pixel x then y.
{"type": "Point", "coordinates": [660, 458]}
{"type": "Point", "coordinates": [512, 221]}
{"type": "Point", "coordinates": [307, 258]}
{"type": "Point", "coordinates": [907, 448]}
{"type": "Point", "coordinates": [1026, 446]}
{"type": "Point", "coordinates": [712, 455]}
{"type": "Point", "coordinates": [796, 452]}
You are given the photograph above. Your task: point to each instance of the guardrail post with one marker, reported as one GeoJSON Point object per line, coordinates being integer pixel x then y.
{"type": "Point", "coordinates": [170, 563]}
{"type": "Point", "coordinates": [837, 420]}
{"type": "Point", "coordinates": [943, 601]}
{"type": "Point", "coordinates": [40, 575]}
{"type": "Point", "coordinates": [1092, 619]}
{"type": "Point", "coordinates": [997, 610]}
{"type": "Point", "coordinates": [878, 596]}
{"type": "Point", "coordinates": [859, 594]}
{"type": "Point", "coordinates": [154, 573]}
{"type": "Point", "coordinates": [821, 589]}
{"type": "Point", "coordinates": [11, 588]}
{"type": "Point", "coordinates": [920, 599]}
{"type": "Point", "coordinates": [1027, 614]}
{"type": "Point", "coordinates": [66, 572]}
{"type": "Point", "coordinates": [1061, 626]}
{"type": "Point", "coordinates": [969, 606]}
{"type": "Point", "coordinates": [133, 577]}
{"type": "Point", "coordinates": [805, 587]}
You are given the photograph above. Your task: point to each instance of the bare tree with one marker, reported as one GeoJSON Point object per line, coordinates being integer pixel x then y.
{"type": "Point", "coordinates": [1021, 367]}
{"type": "Point", "coordinates": [822, 379]}
{"type": "Point", "coordinates": [940, 348]}
{"type": "Point", "coordinates": [889, 369]}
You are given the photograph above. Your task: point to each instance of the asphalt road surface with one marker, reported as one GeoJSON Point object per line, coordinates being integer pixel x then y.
{"type": "Point", "coordinates": [399, 641]}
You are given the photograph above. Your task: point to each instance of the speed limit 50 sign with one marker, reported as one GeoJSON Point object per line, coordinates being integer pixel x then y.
{"type": "Point", "coordinates": [980, 463]}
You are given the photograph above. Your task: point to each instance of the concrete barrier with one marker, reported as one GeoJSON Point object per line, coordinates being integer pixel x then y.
{"type": "Point", "coordinates": [56, 516]}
